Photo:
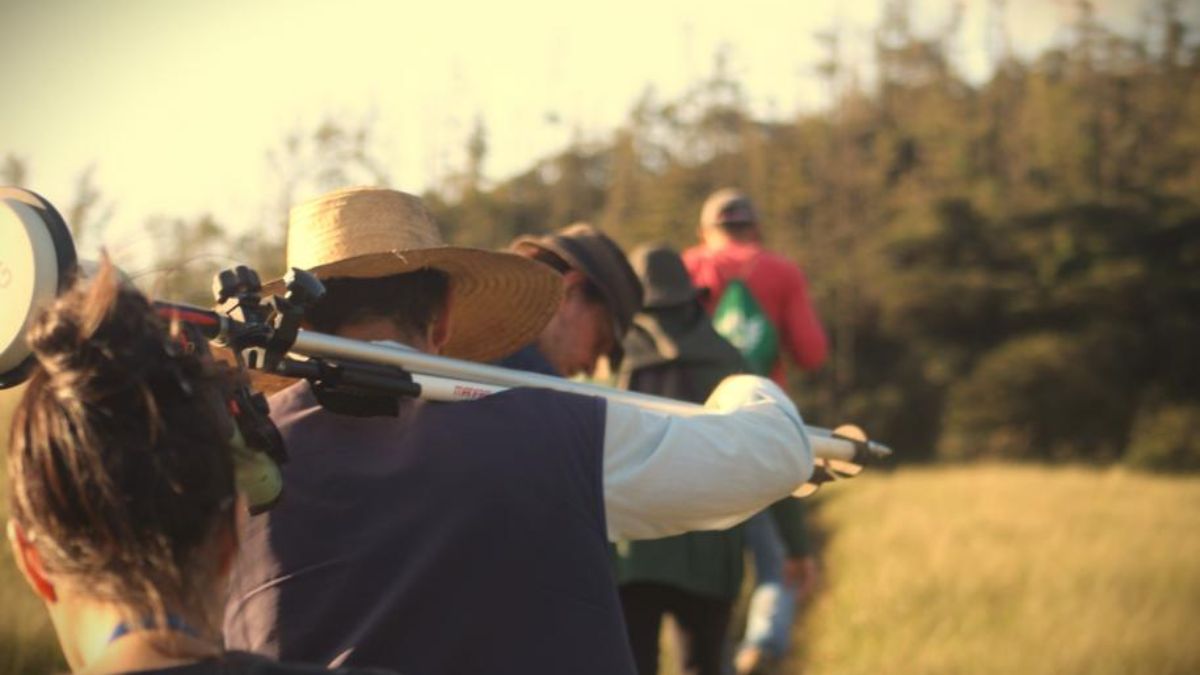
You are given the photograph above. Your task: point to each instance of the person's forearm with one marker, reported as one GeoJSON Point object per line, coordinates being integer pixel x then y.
{"type": "Point", "coordinates": [665, 475]}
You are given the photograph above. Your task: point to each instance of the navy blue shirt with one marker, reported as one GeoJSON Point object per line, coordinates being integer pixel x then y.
{"type": "Point", "coordinates": [241, 663]}
{"type": "Point", "coordinates": [530, 359]}
{"type": "Point", "coordinates": [455, 538]}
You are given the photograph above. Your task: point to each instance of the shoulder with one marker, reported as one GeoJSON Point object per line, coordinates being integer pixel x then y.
{"type": "Point", "coordinates": [252, 664]}
{"type": "Point", "coordinates": [533, 413]}
{"type": "Point", "coordinates": [245, 663]}
{"type": "Point", "coordinates": [695, 255]}
{"type": "Point", "coordinates": [537, 403]}
{"type": "Point", "coordinates": [775, 259]}
{"type": "Point", "coordinates": [779, 266]}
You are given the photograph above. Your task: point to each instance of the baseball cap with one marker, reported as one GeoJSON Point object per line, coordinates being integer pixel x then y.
{"type": "Point", "coordinates": [727, 206]}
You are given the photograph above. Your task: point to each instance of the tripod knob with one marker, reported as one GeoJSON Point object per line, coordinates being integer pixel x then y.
{"type": "Point", "coordinates": [236, 282]}
{"type": "Point", "coordinates": [303, 288]}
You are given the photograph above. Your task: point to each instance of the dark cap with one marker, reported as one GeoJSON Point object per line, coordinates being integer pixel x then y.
{"type": "Point", "coordinates": [598, 257]}
{"type": "Point", "coordinates": [727, 206]}
{"type": "Point", "coordinates": [663, 275]}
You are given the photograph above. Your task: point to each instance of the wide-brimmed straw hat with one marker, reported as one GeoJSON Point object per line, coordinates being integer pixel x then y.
{"type": "Point", "coordinates": [499, 301]}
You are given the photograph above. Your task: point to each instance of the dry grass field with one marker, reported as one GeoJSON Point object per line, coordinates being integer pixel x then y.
{"type": "Point", "coordinates": [981, 569]}
{"type": "Point", "coordinates": [1001, 569]}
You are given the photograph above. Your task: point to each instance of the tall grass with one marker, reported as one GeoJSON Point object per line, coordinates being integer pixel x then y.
{"type": "Point", "coordinates": [1002, 569]}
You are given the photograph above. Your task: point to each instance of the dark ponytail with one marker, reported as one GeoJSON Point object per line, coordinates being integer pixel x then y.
{"type": "Point", "coordinates": [119, 460]}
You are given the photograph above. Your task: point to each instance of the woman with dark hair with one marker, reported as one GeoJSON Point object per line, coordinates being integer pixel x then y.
{"type": "Point", "coordinates": [122, 489]}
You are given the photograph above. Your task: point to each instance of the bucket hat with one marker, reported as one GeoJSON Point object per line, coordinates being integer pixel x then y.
{"type": "Point", "coordinates": [602, 261]}
{"type": "Point", "coordinates": [663, 276]}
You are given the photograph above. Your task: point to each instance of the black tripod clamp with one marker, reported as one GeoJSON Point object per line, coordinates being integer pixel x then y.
{"type": "Point", "coordinates": [266, 329]}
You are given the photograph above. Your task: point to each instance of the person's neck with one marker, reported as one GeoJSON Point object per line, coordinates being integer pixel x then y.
{"type": "Point", "coordinates": [381, 329]}
{"type": "Point", "coordinates": [152, 649]}
{"type": "Point", "coordinates": [92, 643]}
{"type": "Point", "coordinates": [716, 241]}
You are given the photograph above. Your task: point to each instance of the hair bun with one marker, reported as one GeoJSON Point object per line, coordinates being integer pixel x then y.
{"type": "Point", "coordinates": [101, 332]}
{"type": "Point", "coordinates": [120, 456]}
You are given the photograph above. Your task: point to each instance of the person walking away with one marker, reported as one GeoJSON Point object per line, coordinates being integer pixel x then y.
{"type": "Point", "coordinates": [760, 301]}
{"type": "Point", "coordinates": [672, 350]}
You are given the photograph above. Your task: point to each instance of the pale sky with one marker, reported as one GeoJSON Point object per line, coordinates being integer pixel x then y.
{"type": "Point", "coordinates": [177, 103]}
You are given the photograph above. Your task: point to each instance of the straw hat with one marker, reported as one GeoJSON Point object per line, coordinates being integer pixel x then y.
{"type": "Point", "coordinates": [499, 301]}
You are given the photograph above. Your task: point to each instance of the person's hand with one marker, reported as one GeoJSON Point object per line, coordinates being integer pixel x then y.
{"type": "Point", "coordinates": [803, 574]}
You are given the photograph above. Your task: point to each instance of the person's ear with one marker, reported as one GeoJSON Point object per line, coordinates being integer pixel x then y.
{"type": "Point", "coordinates": [439, 330]}
{"type": "Point", "coordinates": [573, 283]}
{"type": "Point", "coordinates": [30, 563]}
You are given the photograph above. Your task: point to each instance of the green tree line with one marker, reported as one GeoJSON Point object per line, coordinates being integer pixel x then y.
{"type": "Point", "coordinates": [1007, 269]}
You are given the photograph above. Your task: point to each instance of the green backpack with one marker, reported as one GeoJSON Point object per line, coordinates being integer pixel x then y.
{"type": "Point", "coordinates": [740, 319]}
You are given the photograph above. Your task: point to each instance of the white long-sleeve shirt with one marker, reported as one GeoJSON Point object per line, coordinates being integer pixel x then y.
{"type": "Point", "coordinates": [665, 474]}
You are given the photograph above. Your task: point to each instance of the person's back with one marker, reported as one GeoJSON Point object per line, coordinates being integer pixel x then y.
{"type": "Point", "coordinates": [476, 529]}
{"type": "Point", "coordinates": [706, 563]}
{"type": "Point", "coordinates": [672, 350]}
{"type": "Point", "coordinates": [731, 249]}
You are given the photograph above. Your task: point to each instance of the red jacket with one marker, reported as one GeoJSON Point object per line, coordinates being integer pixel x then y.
{"type": "Point", "coordinates": [778, 285]}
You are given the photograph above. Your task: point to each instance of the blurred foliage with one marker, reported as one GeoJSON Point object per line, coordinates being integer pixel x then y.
{"type": "Point", "coordinates": [1166, 437]}
{"type": "Point", "coordinates": [1029, 397]}
{"type": "Point", "coordinates": [1008, 268]}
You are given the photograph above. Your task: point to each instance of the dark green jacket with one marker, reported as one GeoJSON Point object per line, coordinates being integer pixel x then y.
{"type": "Point", "coordinates": [675, 352]}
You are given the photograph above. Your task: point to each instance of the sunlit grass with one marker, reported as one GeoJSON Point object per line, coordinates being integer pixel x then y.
{"type": "Point", "coordinates": [1001, 569]}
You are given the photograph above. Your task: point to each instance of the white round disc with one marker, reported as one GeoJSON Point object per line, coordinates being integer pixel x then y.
{"type": "Point", "coordinates": [28, 277]}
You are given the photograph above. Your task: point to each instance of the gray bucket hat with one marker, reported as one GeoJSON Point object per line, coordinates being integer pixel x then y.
{"type": "Point", "coordinates": [602, 261]}
{"type": "Point", "coordinates": [663, 276]}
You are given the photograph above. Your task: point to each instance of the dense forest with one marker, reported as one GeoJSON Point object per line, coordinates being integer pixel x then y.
{"type": "Point", "coordinates": [1007, 269]}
